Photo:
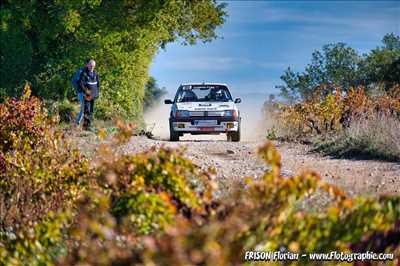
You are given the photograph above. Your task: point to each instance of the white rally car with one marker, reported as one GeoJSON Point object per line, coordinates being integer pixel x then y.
{"type": "Point", "coordinates": [204, 108]}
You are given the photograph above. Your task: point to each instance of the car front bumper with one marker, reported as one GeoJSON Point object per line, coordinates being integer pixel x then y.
{"type": "Point", "coordinates": [204, 126]}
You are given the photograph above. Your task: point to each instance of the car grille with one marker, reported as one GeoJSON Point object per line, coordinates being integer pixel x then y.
{"type": "Point", "coordinates": [216, 113]}
{"type": "Point", "coordinates": [196, 113]}
{"type": "Point", "coordinates": [206, 113]}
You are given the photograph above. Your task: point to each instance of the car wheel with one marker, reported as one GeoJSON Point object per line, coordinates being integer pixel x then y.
{"type": "Point", "coordinates": [234, 136]}
{"type": "Point", "coordinates": [173, 135]}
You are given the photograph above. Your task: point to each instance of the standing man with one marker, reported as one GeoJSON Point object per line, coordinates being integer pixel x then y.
{"type": "Point", "coordinates": [89, 85]}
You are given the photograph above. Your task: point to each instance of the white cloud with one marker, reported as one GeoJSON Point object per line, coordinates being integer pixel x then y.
{"type": "Point", "coordinates": [250, 11]}
{"type": "Point", "coordinates": [349, 16]}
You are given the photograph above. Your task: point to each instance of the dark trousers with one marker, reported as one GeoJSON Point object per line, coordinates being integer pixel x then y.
{"type": "Point", "coordinates": [88, 113]}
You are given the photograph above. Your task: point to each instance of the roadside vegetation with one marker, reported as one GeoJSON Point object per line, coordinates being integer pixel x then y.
{"type": "Point", "coordinates": [345, 104]}
{"type": "Point", "coordinates": [62, 206]}
{"type": "Point", "coordinates": [158, 208]}
{"type": "Point", "coordinates": [374, 137]}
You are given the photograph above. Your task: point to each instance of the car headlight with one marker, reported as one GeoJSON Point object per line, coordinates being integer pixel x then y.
{"type": "Point", "coordinates": [182, 113]}
{"type": "Point", "coordinates": [231, 113]}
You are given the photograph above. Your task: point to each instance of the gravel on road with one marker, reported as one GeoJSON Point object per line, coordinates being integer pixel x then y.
{"type": "Point", "coordinates": [235, 160]}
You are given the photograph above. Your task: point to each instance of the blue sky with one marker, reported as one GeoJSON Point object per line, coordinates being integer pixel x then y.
{"type": "Point", "coordinates": [260, 39]}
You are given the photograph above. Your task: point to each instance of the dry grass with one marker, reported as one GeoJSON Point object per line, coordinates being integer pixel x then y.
{"type": "Point", "coordinates": [382, 132]}
{"type": "Point", "coordinates": [373, 137]}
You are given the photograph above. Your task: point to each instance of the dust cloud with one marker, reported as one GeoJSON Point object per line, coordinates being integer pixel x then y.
{"type": "Point", "coordinates": [156, 119]}
{"type": "Point", "coordinates": [253, 124]}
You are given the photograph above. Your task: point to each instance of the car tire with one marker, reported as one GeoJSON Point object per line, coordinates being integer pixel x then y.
{"type": "Point", "coordinates": [234, 136]}
{"type": "Point", "coordinates": [173, 135]}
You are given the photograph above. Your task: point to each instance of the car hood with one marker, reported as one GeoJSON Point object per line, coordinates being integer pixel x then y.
{"type": "Point", "coordinates": [206, 106]}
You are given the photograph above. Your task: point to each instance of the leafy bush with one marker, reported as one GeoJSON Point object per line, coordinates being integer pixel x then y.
{"type": "Point", "coordinates": [67, 111]}
{"type": "Point", "coordinates": [262, 216]}
{"type": "Point", "coordinates": [265, 217]}
{"type": "Point", "coordinates": [147, 189]}
{"type": "Point", "coordinates": [157, 208]}
{"type": "Point", "coordinates": [40, 171]}
{"type": "Point", "coordinates": [105, 109]}
{"type": "Point", "coordinates": [21, 121]}
{"type": "Point", "coordinates": [35, 243]}
{"type": "Point", "coordinates": [353, 124]}
{"type": "Point", "coordinates": [47, 190]}
{"type": "Point", "coordinates": [330, 112]}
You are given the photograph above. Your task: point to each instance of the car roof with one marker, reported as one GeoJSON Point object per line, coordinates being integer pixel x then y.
{"type": "Point", "coordinates": [204, 83]}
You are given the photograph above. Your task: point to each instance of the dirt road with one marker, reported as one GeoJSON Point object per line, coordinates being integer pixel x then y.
{"type": "Point", "coordinates": [234, 161]}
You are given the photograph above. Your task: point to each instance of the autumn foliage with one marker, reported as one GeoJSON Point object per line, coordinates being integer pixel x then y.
{"type": "Point", "coordinates": [158, 208]}
{"type": "Point", "coordinates": [332, 112]}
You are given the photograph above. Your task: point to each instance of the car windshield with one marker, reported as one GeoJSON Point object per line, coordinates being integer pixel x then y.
{"type": "Point", "coordinates": [203, 93]}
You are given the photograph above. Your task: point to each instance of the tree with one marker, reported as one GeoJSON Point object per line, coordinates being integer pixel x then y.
{"type": "Point", "coordinates": [391, 41]}
{"type": "Point", "coordinates": [340, 65]}
{"type": "Point", "coordinates": [46, 41]}
{"type": "Point", "coordinates": [152, 92]}
{"type": "Point", "coordinates": [336, 64]}
{"type": "Point", "coordinates": [381, 67]}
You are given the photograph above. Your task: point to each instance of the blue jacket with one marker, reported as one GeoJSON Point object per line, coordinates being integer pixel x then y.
{"type": "Point", "coordinates": [90, 81]}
